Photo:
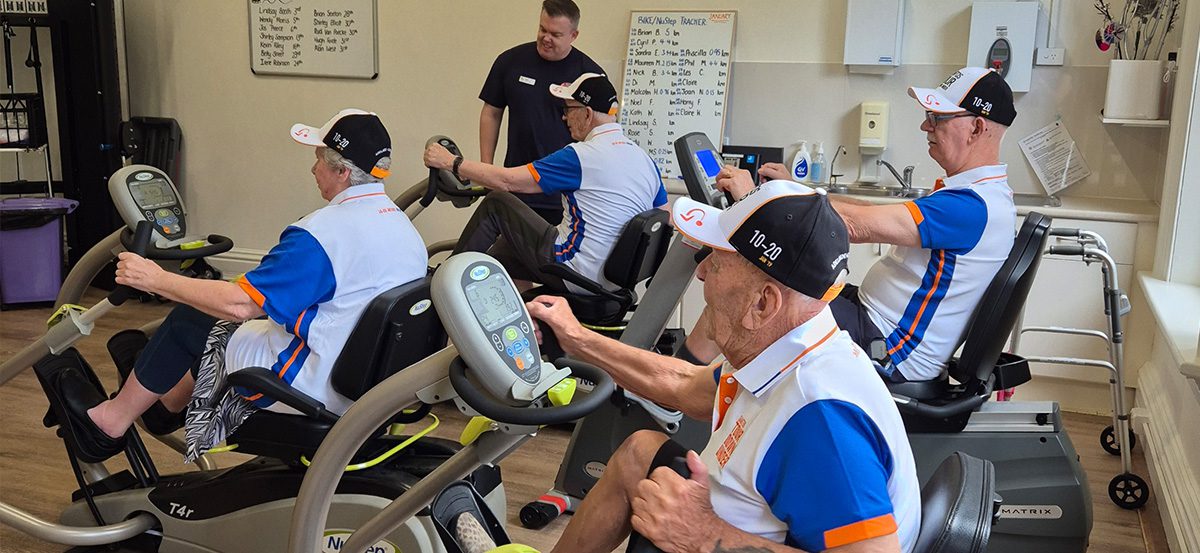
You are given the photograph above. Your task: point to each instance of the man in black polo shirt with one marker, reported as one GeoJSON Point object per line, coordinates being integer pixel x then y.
{"type": "Point", "coordinates": [519, 81]}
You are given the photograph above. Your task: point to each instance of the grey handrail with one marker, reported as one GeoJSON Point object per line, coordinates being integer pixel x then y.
{"type": "Point", "coordinates": [74, 535]}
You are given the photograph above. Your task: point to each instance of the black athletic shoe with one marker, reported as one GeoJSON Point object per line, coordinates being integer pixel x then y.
{"type": "Point", "coordinates": [78, 395]}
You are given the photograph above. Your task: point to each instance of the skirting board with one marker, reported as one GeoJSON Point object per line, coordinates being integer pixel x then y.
{"type": "Point", "coordinates": [1173, 486]}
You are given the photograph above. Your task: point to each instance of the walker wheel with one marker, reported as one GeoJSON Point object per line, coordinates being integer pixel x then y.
{"type": "Point", "coordinates": [1128, 491]}
{"type": "Point", "coordinates": [1108, 440]}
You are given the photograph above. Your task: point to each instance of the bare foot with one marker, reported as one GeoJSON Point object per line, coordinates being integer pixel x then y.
{"type": "Point", "coordinates": [99, 415]}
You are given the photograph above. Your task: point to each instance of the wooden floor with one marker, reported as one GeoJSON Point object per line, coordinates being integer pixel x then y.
{"type": "Point", "coordinates": [34, 474]}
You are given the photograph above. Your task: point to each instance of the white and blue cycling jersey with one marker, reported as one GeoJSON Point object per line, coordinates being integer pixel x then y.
{"type": "Point", "coordinates": [808, 448]}
{"type": "Point", "coordinates": [315, 284]}
{"type": "Point", "coordinates": [922, 299]}
{"type": "Point", "coordinates": [606, 180]}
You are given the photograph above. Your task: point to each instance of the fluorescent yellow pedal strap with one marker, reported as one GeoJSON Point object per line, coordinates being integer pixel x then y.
{"type": "Point", "coordinates": [514, 548]}
{"type": "Point", "coordinates": [562, 393]}
{"type": "Point", "coordinates": [475, 428]}
{"type": "Point", "coordinates": [61, 314]}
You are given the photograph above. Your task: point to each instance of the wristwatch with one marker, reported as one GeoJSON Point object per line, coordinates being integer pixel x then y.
{"type": "Point", "coordinates": [457, 163]}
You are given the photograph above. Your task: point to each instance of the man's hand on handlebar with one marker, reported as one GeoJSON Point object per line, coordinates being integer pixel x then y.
{"type": "Point", "coordinates": [138, 272]}
{"type": "Point", "coordinates": [737, 182]}
{"type": "Point", "coordinates": [673, 512]}
{"type": "Point", "coordinates": [556, 313]}
{"type": "Point", "coordinates": [438, 157]}
{"type": "Point", "coordinates": [773, 171]}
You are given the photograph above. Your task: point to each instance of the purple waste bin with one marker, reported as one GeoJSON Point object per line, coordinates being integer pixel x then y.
{"type": "Point", "coordinates": [31, 256]}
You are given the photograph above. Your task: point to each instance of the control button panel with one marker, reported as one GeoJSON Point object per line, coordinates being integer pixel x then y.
{"type": "Point", "coordinates": [516, 346]}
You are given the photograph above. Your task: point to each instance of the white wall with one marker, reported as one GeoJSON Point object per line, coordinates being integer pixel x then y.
{"type": "Point", "coordinates": [243, 177]}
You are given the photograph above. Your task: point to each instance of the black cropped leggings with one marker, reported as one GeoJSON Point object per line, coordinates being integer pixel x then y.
{"type": "Point", "coordinates": [174, 350]}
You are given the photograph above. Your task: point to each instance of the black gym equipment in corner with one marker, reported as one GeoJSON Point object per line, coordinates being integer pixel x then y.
{"type": "Point", "coordinates": [83, 44]}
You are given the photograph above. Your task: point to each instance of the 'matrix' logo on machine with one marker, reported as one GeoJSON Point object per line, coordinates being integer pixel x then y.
{"type": "Point", "coordinates": [333, 540]}
{"type": "Point", "coordinates": [480, 272]}
{"type": "Point", "coordinates": [144, 176]}
{"type": "Point", "coordinates": [1046, 512]}
{"type": "Point", "coordinates": [595, 469]}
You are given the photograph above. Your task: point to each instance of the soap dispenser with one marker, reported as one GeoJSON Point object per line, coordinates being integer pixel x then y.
{"type": "Point", "coordinates": [816, 172]}
{"type": "Point", "coordinates": [801, 163]}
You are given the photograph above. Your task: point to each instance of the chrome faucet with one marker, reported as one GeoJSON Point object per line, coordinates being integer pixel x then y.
{"type": "Point", "coordinates": [906, 180]}
{"type": "Point", "coordinates": [833, 174]}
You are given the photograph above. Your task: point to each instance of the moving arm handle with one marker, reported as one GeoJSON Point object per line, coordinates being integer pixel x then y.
{"type": "Point", "coordinates": [141, 241]}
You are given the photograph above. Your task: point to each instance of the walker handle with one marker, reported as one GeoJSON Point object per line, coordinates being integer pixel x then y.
{"type": "Point", "coordinates": [1066, 249]}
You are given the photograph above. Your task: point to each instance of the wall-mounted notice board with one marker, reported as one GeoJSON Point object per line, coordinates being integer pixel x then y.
{"type": "Point", "coordinates": [676, 79]}
{"type": "Point", "coordinates": [318, 38]}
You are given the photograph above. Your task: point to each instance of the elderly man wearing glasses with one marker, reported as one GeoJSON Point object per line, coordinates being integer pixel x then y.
{"type": "Point", "coordinates": [914, 305]}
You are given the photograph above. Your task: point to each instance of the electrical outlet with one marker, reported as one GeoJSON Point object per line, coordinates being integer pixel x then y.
{"type": "Point", "coordinates": [1050, 56]}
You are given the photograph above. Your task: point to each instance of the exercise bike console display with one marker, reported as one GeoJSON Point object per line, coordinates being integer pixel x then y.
{"type": "Point", "coordinates": [700, 170]}
{"type": "Point", "coordinates": [489, 325]}
{"type": "Point", "coordinates": [143, 193]}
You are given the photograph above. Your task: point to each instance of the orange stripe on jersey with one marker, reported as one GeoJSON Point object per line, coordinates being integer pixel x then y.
{"type": "Point", "coordinates": [296, 329]}
{"type": "Point", "coordinates": [251, 291]}
{"type": "Point", "coordinates": [938, 185]}
{"type": "Point", "coordinates": [348, 198]}
{"type": "Point", "coordinates": [860, 531]}
{"type": "Point", "coordinates": [937, 279]}
{"type": "Point", "coordinates": [533, 171]}
{"type": "Point", "coordinates": [283, 370]}
{"type": "Point", "coordinates": [832, 331]}
{"type": "Point", "coordinates": [990, 178]}
{"type": "Point", "coordinates": [915, 211]}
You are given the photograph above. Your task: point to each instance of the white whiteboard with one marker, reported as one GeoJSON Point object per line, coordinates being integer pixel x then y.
{"type": "Point", "coordinates": [676, 79]}
{"type": "Point", "coordinates": [320, 38]}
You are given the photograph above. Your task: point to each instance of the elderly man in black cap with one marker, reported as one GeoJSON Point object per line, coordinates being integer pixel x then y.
{"type": "Point", "coordinates": [796, 405]}
{"type": "Point", "coordinates": [913, 307]}
{"type": "Point", "coordinates": [605, 179]}
{"type": "Point", "coordinates": [311, 288]}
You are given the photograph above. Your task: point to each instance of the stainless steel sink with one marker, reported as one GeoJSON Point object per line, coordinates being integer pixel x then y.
{"type": "Point", "coordinates": [880, 191]}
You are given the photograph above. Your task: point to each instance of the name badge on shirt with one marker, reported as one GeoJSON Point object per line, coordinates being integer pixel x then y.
{"type": "Point", "coordinates": [527, 80]}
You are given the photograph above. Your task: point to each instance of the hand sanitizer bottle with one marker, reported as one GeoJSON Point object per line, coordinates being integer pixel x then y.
{"type": "Point", "coordinates": [801, 163]}
{"type": "Point", "coordinates": [816, 172]}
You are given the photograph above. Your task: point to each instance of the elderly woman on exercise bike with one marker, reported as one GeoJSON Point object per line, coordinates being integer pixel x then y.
{"type": "Point", "coordinates": [292, 313]}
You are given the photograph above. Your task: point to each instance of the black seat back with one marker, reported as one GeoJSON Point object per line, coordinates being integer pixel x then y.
{"type": "Point", "coordinates": [398, 328]}
{"type": "Point", "coordinates": [1001, 304]}
{"type": "Point", "coordinates": [957, 506]}
{"type": "Point", "coordinates": [639, 249]}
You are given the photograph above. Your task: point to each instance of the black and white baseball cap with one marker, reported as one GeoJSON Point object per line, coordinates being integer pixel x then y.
{"type": "Point", "coordinates": [357, 135]}
{"type": "Point", "coordinates": [786, 229]}
{"type": "Point", "coordinates": [590, 89]}
{"type": "Point", "coordinates": [978, 90]}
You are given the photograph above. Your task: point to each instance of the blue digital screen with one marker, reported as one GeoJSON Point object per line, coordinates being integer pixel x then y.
{"type": "Point", "coordinates": [708, 162]}
{"type": "Point", "coordinates": [750, 158]}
